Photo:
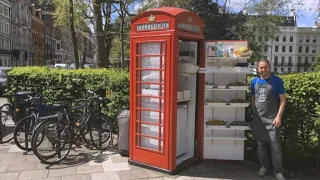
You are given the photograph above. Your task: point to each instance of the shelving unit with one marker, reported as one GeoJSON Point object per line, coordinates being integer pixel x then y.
{"type": "Point", "coordinates": [225, 142]}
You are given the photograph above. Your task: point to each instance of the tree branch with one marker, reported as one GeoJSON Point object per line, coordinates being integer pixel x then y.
{"type": "Point", "coordinates": [84, 30]}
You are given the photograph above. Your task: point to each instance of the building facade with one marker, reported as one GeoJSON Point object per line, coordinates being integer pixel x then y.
{"type": "Point", "coordinates": [50, 46]}
{"type": "Point", "coordinates": [5, 33]}
{"type": "Point", "coordinates": [21, 32]}
{"type": "Point", "coordinates": [294, 49]}
{"type": "Point", "coordinates": [38, 37]}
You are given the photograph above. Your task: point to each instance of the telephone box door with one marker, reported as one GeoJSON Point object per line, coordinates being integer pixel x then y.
{"type": "Point", "coordinates": [149, 131]}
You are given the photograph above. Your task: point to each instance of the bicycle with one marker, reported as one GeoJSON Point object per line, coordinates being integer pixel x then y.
{"type": "Point", "coordinates": [24, 129]}
{"type": "Point", "coordinates": [11, 113]}
{"type": "Point", "coordinates": [65, 131]}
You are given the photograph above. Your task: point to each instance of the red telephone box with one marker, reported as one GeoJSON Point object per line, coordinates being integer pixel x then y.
{"type": "Point", "coordinates": [166, 92]}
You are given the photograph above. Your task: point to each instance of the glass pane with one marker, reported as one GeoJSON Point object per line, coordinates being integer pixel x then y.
{"type": "Point", "coordinates": [152, 48]}
{"type": "Point", "coordinates": [150, 130]}
{"type": "Point", "coordinates": [150, 143]}
{"type": "Point", "coordinates": [150, 76]}
{"type": "Point", "coordinates": [152, 90]}
{"type": "Point", "coordinates": [151, 103]}
{"type": "Point", "coordinates": [138, 63]}
{"type": "Point", "coordinates": [151, 116]}
{"type": "Point", "coordinates": [152, 62]}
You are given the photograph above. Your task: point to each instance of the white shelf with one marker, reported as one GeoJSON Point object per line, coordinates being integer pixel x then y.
{"type": "Point", "coordinates": [210, 59]}
{"type": "Point", "coordinates": [183, 100]}
{"type": "Point", "coordinates": [187, 74]}
{"type": "Point", "coordinates": [188, 58]}
{"type": "Point", "coordinates": [233, 105]}
{"type": "Point", "coordinates": [239, 88]}
{"type": "Point", "coordinates": [240, 70]}
{"type": "Point", "coordinates": [240, 137]}
{"type": "Point", "coordinates": [228, 127]}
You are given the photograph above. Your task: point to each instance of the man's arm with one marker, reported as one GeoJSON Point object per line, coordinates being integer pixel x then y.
{"type": "Point", "coordinates": [282, 97]}
{"type": "Point", "coordinates": [282, 105]}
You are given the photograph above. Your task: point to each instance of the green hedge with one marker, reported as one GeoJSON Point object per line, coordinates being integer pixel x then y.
{"type": "Point", "coordinates": [61, 84]}
{"type": "Point", "coordinates": [301, 126]}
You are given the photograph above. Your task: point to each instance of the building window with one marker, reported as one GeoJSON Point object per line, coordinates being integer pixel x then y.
{"type": "Point", "coordinates": [313, 59]}
{"type": "Point", "coordinates": [275, 69]}
{"type": "Point", "coordinates": [299, 60]}
{"type": "Point", "coordinates": [284, 38]}
{"type": "Point", "coordinates": [290, 48]}
{"type": "Point", "coordinates": [282, 60]}
{"type": "Point", "coordinates": [305, 69]}
{"type": "Point", "coordinates": [276, 59]}
{"type": "Point", "coordinates": [266, 48]}
{"type": "Point", "coordinates": [290, 60]}
{"type": "Point", "coordinates": [298, 69]}
{"type": "Point", "coordinates": [283, 48]}
{"type": "Point", "coordinates": [58, 46]}
{"type": "Point", "coordinates": [307, 38]}
{"type": "Point", "coordinates": [300, 49]}
{"type": "Point", "coordinates": [291, 38]}
{"type": "Point", "coordinates": [282, 69]}
{"type": "Point", "coordinates": [307, 49]}
{"type": "Point", "coordinates": [277, 38]}
{"type": "Point", "coordinates": [1, 9]}
{"type": "Point", "coordinates": [313, 49]}
{"type": "Point", "coordinates": [6, 12]}
{"type": "Point", "coordinates": [7, 28]}
{"type": "Point", "coordinates": [266, 38]}
{"type": "Point", "coordinates": [314, 39]}
{"type": "Point", "coordinates": [276, 49]}
{"type": "Point", "coordinates": [306, 60]}
{"type": "Point", "coordinates": [2, 26]}
{"type": "Point", "coordinates": [265, 57]}
{"type": "Point", "coordinates": [289, 70]}
{"type": "Point", "coordinates": [300, 38]}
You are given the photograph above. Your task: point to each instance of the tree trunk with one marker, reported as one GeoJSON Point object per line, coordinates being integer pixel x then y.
{"type": "Point", "coordinates": [99, 34]}
{"type": "Point", "coordinates": [121, 33]}
{"type": "Point", "coordinates": [73, 34]}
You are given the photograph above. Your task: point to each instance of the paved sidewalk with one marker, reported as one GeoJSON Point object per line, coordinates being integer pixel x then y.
{"type": "Point", "coordinates": [84, 164]}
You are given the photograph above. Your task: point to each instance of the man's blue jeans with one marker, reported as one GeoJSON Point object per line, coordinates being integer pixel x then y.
{"type": "Point", "coordinates": [276, 155]}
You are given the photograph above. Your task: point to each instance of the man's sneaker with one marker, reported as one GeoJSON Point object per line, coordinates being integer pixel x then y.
{"type": "Point", "coordinates": [262, 172]}
{"type": "Point", "coordinates": [280, 176]}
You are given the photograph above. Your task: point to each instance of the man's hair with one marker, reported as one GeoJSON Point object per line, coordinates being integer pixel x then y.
{"type": "Point", "coordinates": [264, 60]}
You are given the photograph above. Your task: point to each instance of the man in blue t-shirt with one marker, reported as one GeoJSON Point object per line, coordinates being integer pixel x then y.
{"type": "Point", "coordinates": [268, 102]}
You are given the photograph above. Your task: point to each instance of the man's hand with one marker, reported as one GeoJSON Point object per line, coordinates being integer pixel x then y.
{"type": "Point", "coordinates": [277, 122]}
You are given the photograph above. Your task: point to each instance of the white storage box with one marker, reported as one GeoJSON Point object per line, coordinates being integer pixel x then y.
{"type": "Point", "coordinates": [180, 95]}
{"type": "Point", "coordinates": [184, 67]}
{"type": "Point", "coordinates": [186, 94]}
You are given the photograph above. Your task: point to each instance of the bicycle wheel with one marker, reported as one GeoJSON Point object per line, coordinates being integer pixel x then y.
{"type": "Point", "coordinates": [23, 133]}
{"type": "Point", "coordinates": [56, 144]}
{"type": "Point", "coordinates": [7, 123]}
{"type": "Point", "coordinates": [101, 133]}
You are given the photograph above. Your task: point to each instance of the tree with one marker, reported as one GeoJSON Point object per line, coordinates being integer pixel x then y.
{"type": "Point", "coordinates": [67, 15]}
{"type": "Point", "coordinates": [73, 33]}
{"type": "Point", "coordinates": [123, 12]}
{"type": "Point", "coordinates": [316, 64]}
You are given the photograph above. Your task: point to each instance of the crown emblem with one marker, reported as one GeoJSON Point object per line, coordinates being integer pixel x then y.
{"type": "Point", "coordinates": [189, 19]}
{"type": "Point", "coordinates": [152, 17]}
